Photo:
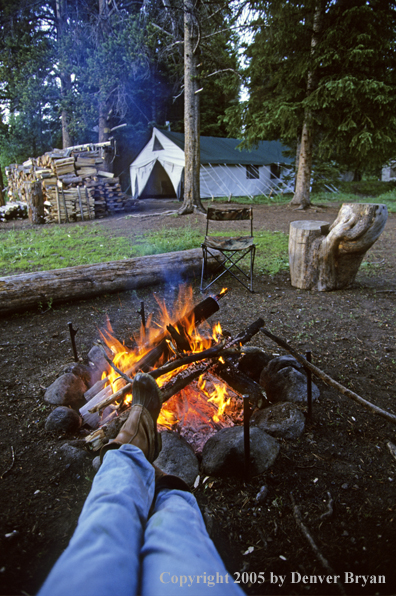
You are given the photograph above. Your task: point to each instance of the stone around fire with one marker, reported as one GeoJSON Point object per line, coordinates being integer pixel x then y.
{"type": "Point", "coordinates": [224, 454]}
{"type": "Point", "coordinates": [81, 370]}
{"type": "Point", "coordinates": [72, 458]}
{"type": "Point", "coordinates": [284, 379]}
{"type": "Point", "coordinates": [67, 390]}
{"type": "Point", "coordinates": [177, 458]}
{"type": "Point", "coordinates": [284, 420]}
{"type": "Point", "coordinates": [64, 420]}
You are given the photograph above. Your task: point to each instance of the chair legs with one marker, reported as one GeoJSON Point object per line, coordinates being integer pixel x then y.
{"type": "Point", "coordinates": [226, 265]}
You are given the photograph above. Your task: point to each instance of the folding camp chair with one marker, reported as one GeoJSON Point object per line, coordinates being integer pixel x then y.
{"type": "Point", "coordinates": [228, 251]}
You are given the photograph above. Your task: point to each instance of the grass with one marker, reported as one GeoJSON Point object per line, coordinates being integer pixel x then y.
{"type": "Point", "coordinates": [350, 192]}
{"type": "Point", "coordinates": [58, 247]}
{"type": "Point", "coordinates": [280, 199]}
{"type": "Point", "coordinates": [387, 198]}
{"type": "Point", "coordinates": [271, 252]}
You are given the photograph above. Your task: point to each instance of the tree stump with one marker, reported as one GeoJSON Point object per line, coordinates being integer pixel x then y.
{"type": "Point", "coordinates": [327, 257]}
{"type": "Point", "coordinates": [35, 202]}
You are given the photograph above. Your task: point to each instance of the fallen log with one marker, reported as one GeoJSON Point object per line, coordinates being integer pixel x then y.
{"type": "Point", "coordinates": [28, 290]}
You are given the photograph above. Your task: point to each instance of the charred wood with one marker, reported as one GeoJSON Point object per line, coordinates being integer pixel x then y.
{"type": "Point", "coordinates": [240, 382]}
{"type": "Point", "coordinates": [183, 379]}
{"type": "Point", "coordinates": [245, 336]}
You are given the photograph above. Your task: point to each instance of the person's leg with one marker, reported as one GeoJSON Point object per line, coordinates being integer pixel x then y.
{"type": "Point", "coordinates": [178, 556]}
{"type": "Point", "coordinates": [102, 558]}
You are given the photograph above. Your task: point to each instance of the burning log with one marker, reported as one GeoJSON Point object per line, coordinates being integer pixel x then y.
{"type": "Point", "coordinates": [214, 351]}
{"type": "Point", "coordinates": [181, 340]}
{"type": "Point", "coordinates": [185, 377]}
{"type": "Point", "coordinates": [240, 382]}
{"type": "Point", "coordinates": [181, 380]}
{"type": "Point", "coordinates": [200, 313]}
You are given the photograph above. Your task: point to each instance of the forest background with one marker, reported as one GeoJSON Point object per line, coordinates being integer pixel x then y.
{"type": "Point", "coordinates": [318, 75]}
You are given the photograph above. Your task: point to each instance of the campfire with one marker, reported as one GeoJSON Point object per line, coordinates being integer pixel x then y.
{"type": "Point", "coordinates": [193, 364]}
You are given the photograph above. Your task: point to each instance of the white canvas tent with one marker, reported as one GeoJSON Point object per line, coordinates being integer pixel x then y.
{"type": "Point", "coordinates": [226, 171]}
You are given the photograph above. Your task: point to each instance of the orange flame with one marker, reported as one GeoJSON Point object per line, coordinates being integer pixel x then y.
{"type": "Point", "coordinates": [185, 407]}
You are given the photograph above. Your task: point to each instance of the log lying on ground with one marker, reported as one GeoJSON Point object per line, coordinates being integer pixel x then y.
{"type": "Point", "coordinates": [28, 290]}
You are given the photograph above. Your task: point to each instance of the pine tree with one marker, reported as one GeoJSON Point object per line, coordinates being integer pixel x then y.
{"type": "Point", "coordinates": [327, 64]}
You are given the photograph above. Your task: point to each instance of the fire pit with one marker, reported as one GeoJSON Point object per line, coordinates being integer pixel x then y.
{"type": "Point", "coordinates": [207, 394]}
{"type": "Point", "coordinates": [179, 350]}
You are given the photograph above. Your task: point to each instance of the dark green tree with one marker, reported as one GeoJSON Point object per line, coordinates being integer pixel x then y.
{"type": "Point", "coordinates": [28, 88]}
{"type": "Point", "coordinates": [322, 73]}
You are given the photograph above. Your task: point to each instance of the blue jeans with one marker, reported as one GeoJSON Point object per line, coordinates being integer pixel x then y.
{"type": "Point", "coordinates": [122, 546]}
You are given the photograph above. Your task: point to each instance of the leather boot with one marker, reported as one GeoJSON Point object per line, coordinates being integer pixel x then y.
{"type": "Point", "coordinates": [141, 427]}
{"type": "Point", "coordinates": [164, 480]}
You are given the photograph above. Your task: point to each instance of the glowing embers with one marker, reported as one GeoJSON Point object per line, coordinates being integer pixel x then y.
{"type": "Point", "coordinates": [200, 410]}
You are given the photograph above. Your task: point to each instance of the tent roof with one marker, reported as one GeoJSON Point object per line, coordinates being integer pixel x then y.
{"type": "Point", "coordinates": [215, 150]}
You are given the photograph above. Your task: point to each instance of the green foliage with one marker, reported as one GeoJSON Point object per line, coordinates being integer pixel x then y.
{"type": "Point", "coordinates": [387, 198]}
{"type": "Point", "coordinates": [128, 61]}
{"type": "Point", "coordinates": [28, 119]}
{"type": "Point", "coordinates": [353, 67]}
{"type": "Point", "coordinates": [368, 188]}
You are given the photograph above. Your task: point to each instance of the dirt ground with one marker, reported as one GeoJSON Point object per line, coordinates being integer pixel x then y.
{"type": "Point", "coordinates": [342, 458]}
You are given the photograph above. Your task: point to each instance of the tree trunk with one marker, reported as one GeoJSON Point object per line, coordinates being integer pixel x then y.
{"type": "Point", "coordinates": [301, 196]}
{"type": "Point", "coordinates": [191, 112]}
{"type": "Point", "coordinates": [2, 199]}
{"type": "Point", "coordinates": [65, 89]}
{"type": "Point", "coordinates": [65, 79]}
{"type": "Point", "coordinates": [324, 257]}
{"type": "Point", "coordinates": [103, 109]}
{"type": "Point", "coordinates": [35, 202]}
{"type": "Point", "coordinates": [28, 290]}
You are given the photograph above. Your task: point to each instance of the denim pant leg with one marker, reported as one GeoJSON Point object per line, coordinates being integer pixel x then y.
{"type": "Point", "coordinates": [102, 558]}
{"type": "Point", "coordinates": [178, 556]}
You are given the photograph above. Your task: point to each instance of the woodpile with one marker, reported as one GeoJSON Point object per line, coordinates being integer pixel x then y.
{"type": "Point", "coordinates": [74, 185]}
{"type": "Point", "coordinates": [14, 210]}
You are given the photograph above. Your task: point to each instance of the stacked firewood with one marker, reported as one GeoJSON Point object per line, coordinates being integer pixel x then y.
{"type": "Point", "coordinates": [75, 186]}
{"type": "Point", "coordinates": [107, 196]}
{"type": "Point", "coordinates": [70, 204]}
{"type": "Point", "coordinates": [13, 210]}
